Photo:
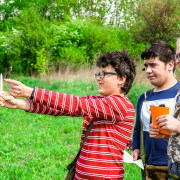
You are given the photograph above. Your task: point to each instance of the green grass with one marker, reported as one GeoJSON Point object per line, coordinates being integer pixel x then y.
{"type": "Point", "coordinates": [36, 146]}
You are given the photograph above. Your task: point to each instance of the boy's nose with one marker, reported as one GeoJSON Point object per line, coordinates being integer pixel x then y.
{"type": "Point", "coordinates": [148, 69]}
{"type": "Point", "coordinates": [98, 78]}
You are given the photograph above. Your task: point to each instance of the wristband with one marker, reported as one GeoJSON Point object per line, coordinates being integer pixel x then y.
{"type": "Point", "coordinates": [32, 95]}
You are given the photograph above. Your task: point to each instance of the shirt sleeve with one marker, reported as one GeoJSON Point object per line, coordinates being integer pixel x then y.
{"type": "Point", "coordinates": [137, 128]}
{"type": "Point", "coordinates": [110, 108]}
{"type": "Point", "coordinates": [42, 109]}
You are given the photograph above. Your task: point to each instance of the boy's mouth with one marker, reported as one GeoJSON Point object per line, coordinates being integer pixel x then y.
{"type": "Point", "coordinates": [151, 77]}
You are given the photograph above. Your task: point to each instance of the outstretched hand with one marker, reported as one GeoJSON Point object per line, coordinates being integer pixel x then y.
{"type": "Point", "coordinates": [8, 101]}
{"type": "Point", "coordinates": [17, 89]}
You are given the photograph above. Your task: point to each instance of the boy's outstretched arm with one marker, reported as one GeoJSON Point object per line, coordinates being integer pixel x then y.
{"type": "Point", "coordinates": [17, 89]}
{"type": "Point", "coordinates": [8, 101]}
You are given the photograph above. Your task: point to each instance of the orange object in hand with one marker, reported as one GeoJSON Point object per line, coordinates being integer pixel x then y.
{"type": "Point", "coordinates": [158, 111]}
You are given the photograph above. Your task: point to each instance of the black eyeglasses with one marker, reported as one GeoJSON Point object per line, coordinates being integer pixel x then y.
{"type": "Point", "coordinates": [101, 75]}
{"type": "Point", "coordinates": [177, 57]}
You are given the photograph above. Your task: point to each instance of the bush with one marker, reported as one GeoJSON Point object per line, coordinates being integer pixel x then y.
{"type": "Point", "coordinates": [37, 45]}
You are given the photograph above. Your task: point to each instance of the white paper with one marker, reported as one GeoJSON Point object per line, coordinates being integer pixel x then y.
{"type": "Point", "coordinates": [1, 84]}
{"type": "Point", "coordinates": [127, 158]}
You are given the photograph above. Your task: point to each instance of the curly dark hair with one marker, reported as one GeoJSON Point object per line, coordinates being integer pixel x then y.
{"type": "Point", "coordinates": [160, 49]}
{"type": "Point", "coordinates": [123, 65]}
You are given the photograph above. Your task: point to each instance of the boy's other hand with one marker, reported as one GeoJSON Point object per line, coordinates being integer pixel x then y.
{"type": "Point", "coordinates": [135, 154]}
{"type": "Point", "coordinates": [17, 89]}
{"type": "Point", "coordinates": [129, 144]}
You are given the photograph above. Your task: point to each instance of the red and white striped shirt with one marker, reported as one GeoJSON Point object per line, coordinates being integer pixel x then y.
{"type": "Point", "coordinates": [101, 156]}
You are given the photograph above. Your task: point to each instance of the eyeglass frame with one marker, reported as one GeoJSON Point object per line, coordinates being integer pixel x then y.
{"type": "Point", "coordinates": [99, 74]}
{"type": "Point", "coordinates": [177, 57]}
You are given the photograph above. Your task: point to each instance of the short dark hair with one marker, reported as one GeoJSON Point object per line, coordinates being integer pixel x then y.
{"type": "Point", "coordinates": [160, 49]}
{"type": "Point", "coordinates": [123, 65]}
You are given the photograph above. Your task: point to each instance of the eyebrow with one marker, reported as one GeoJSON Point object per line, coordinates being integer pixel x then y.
{"type": "Point", "coordinates": [145, 64]}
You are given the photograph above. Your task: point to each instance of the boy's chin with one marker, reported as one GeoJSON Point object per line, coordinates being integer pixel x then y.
{"type": "Point", "coordinates": [102, 93]}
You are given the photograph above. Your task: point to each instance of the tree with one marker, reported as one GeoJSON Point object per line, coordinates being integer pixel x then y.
{"type": "Point", "coordinates": [25, 42]}
{"type": "Point", "coordinates": [157, 20]}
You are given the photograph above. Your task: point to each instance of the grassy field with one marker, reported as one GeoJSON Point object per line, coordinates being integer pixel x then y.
{"type": "Point", "coordinates": [36, 146]}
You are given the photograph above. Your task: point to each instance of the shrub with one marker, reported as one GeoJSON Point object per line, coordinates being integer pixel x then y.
{"type": "Point", "coordinates": [37, 45]}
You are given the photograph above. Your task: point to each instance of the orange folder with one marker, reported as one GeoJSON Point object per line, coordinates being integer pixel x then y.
{"type": "Point", "coordinates": [158, 111]}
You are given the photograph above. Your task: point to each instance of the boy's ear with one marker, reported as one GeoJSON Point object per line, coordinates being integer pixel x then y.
{"type": "Point", "coordinates": [122, 79]}
{"type": "Point", "coordinates": [171, 65]}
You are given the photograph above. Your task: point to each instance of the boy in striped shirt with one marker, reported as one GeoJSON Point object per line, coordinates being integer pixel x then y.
{"type": "Point", "coordinates": [101, 156]}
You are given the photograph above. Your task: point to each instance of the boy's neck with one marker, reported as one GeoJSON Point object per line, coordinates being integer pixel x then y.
{"type": "Point", "coordinates": [121, 93]}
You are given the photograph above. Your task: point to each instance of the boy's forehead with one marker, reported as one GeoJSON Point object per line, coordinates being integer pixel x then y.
{"type": "Point", "coordinates": [151, 60]}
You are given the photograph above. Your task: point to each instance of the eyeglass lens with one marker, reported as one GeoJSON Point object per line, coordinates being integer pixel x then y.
{"type": "Point", "coordinates": [177, 57]}
{"type": "Point", "coordinates": [100, 75]}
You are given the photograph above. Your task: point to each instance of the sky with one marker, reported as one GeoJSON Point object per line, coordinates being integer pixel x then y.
{"type": "Point", "coordinates": [1, 1]}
